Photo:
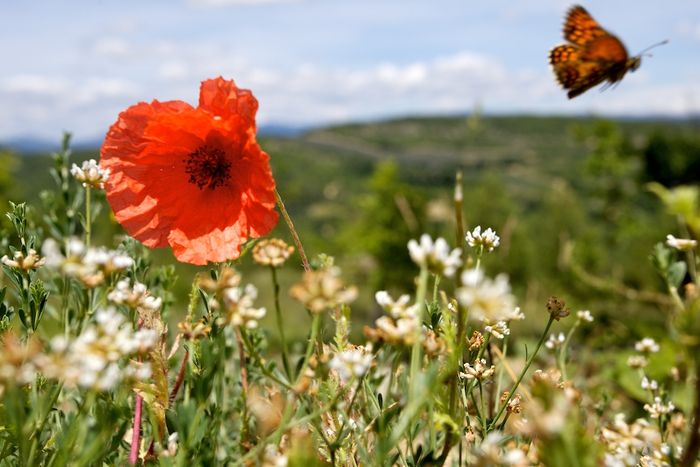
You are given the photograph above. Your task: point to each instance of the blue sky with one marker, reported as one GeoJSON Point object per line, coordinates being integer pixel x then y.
{"type": "Point", "coordinates": [74, 65]}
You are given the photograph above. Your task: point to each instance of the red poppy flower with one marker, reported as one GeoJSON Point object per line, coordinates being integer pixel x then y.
{"type": "Point", "coordinates": [192, 178]}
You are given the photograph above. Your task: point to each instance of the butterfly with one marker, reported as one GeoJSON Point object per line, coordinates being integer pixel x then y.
{"type": "Point", "coordinates": [592, 56]}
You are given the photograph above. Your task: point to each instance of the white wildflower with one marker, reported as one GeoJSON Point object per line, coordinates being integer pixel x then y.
{"type": "Point", "coordinates": [479, 371]}
{"type": "Point", "coordinates": [93, 359]}
{"type": "Point", "coordinates": [395, 308]}
{"type": "Point", "coordinates": [682, 244]}
{"type": "Point", "coordinates": [171, 449]}
{"type": "Point", "coordinates": [555, 341]}
{"type": "Point", "coordinates": [488, 300]}
{"type": "Point", "coordinates": [436, 256]}
{"type": "Point", "coordinates": [90, 174]}
{"type": "Point", "coordinates": [658, 408]}
{"type": "Point", "coordinates": [637, 361]}
{"type": "Point", "coordinates": [134, 297]}
{"type": "Point", "coordinates": [647, 346]}
{"type": "Point", "coordinates": [240, 311]}
{"type": "Point", "coordinates": [649, 384]}
{"type": "Point", "coordinates": [89, 265]}
{"type": "Point", "coordinates": [498, 330]}
{"type": "Point", "coordinates": [584, 315]}
{"type": "Point", "coordinates": [486, 239]}
{"type": "Point", "coordinates": [31, 261]}
{"type": "Point", "coordinates": [351, 363]}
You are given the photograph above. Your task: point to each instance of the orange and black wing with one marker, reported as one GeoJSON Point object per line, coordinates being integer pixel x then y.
{"type": "Point", "coordinates": [580, 28]}
{"type": "Point", "coordinates": [583, 76]}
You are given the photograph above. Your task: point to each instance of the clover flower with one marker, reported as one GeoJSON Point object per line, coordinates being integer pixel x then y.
{"type": "Point", "coordinates": [649, 384]}
{"type": "Point", "coordinates": [555, 341]}
{"type": "Point", "coordinates": [89, 265]}
{"type": "Point", "coordinates": [238, 304]}
{"type": "Point", "coordinates": [92, 360]}
{"type": "Point", "coordinates": [478, 371]}
{"type": "Point", "coordinates": [637, 361]}
{"type": "Point", "coordinates": [658, 408]}
{"type": "Point", "coordinates": [17, 359]}
{"type": "Point", "coordinates": [136, 296]}
{"type": "Point", "coordinates": [322, 290]}
{"type": "Point", "coordinates": [272, 252]}
{"type": "Point", "coordinates": [25, 262]}
{"type": "Point", "coordinates": [488, 240]}
{"type": "Point", "coordinates": [625, 443]}
{"type": "Point", "coordinates": [351, 363]}
{"type": "Point", "coordinates": [681, 244]}
{"type": "Point", "coordinates": [488, 300]}
{"type": "Point", "coordinates": [499, 330]}
{"type": "Point", "coordinates": [435, 256]}
{"type": "Point", "coordinates": [584, 315]}
{"type": "Point", "coordinates": [397, 309]}
{"type": "Point", "coordinates": [90, 174]}
{"type": "Point", "coordinates": [647, 346]}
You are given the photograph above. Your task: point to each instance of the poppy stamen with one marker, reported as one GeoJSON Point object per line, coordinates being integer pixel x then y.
{"type": "Point", "coordinates": [208, 167]}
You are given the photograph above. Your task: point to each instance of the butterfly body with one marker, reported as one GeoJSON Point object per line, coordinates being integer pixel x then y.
{"type": "Point", "coordinates": [591, 56]}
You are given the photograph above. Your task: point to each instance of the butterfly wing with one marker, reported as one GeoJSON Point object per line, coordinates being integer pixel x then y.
{"type": "Point", "coordinates": [592, 56]}
{"type": "Point", "coordinates": [580, 28]}
{"type": "Point", "coordinates": [585, 75]}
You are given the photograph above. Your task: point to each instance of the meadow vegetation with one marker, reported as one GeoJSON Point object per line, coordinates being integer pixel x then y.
{"type": "Point", "coordinates": [567, 335]}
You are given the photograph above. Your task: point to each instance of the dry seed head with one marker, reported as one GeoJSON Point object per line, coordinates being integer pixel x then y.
{"type": "Point", "coordinates": [272, 252]}
{"type": "Point", "coordinates": [557, 308]}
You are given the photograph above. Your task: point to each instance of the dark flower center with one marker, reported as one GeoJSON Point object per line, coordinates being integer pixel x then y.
{"type": "Point", "coordinates": [208, 167]}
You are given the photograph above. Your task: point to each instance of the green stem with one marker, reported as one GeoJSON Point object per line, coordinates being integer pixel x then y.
{"type": "Point", "coordinates": [88, 217]}
{"type": "Point", "coordinates": [280, 324]}
{"type": "Point", "coordinates": [522, 374]}
{"type": "Point", "coordinates": [564, 346]}
{"type": "Point", "coordinates": [315, 326]}
{"type": "Point", "coordinates": [416, 351]}
{"type": "Point", "coordinates": [293, 231]}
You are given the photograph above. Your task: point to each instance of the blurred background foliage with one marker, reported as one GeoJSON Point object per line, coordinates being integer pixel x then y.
{"type": "Point", "coordinates": [566, 195]}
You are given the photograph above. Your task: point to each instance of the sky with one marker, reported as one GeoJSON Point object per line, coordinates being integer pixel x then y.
{"type": "Point", "coordinates": [75, 65]}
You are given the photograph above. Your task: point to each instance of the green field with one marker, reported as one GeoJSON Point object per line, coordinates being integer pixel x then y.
{"type": "Point", "coordinates": [566, 195]}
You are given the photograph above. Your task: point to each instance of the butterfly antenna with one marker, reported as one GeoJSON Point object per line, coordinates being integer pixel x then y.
{"type": "Point", "coordinates": [643, 52]}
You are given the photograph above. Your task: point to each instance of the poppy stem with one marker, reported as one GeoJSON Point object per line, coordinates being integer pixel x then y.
{"type": "Point", "coordinates": [292, 230]}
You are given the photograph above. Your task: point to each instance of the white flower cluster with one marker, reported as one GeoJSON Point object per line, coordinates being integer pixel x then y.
{"type": "Point", "coordinates": [493, 451]}
{"type": "Point", "coordinates": [584, 315]}
{"type": "Point", "coordinates": [136, 297]}
{"type": "Point", "coordinates": [488, 300]}
{"type": "Point", "coordinates": [647, 346]}
{"type": "Point", "coordinates": [238, 304]}
{"type": "Point", "coordinates": [499, 330]}
{"type": "Point", "coordinates": [436, 256]}
{"type": "Point", "coordinates": [488, 240]}
{"type": "Point", "coordinates": [555, 341]}
{"type": "Point", "coordinates": [402, 323]}
{"type": "Point", "coordinates": [90, 174]}
{"type": "Point", "coordinates": [31, 261]}
{"type": "Point", "coordinates": [90, 265]}
{"type": "Point", "coordinates": [479, 371]}
{"type": "Point", "coordinates": [626, 444]}
{"type": "Point", "coordinates": [659, 408]}
{"type": "Point", "coordinates": [93, 359]}
{"type": "Point", "coordinates": [351, 363]}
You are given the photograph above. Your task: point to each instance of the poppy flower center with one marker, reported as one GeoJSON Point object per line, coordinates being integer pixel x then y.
{"type": "Point", "coordinates": [208, 167]}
